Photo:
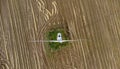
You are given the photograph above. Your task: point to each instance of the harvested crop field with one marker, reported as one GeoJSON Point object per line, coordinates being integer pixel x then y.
{"type": "Point", "coordinates": [95, 22]}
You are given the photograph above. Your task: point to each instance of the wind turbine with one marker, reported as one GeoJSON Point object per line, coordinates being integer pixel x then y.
{"type": "Point", "coordinates": [59, 39]}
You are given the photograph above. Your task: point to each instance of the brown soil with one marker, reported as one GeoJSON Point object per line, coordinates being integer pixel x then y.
{"type": "Point", "coordinates": [95, 22]}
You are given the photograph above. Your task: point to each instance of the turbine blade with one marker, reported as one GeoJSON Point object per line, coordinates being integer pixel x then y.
{"type": "Point", "coordinates": [71, 40]}
{"type": "Point", "coordinates": [68, 40]}
{"type": "Point", "coordinates": [44, 41]}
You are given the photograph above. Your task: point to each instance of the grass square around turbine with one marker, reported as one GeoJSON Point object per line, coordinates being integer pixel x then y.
{"type": "Point", "coordinates": [52, 35]}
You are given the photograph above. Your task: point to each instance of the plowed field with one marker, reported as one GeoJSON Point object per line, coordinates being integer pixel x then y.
{"type": "Point", "coordinates": [95, 22]}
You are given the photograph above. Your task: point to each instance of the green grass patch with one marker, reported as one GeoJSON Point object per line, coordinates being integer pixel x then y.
{"type": "Point", "coordinates": [52, 35]}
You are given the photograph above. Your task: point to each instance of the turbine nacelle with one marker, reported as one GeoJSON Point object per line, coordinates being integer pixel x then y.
{"type": "Point", "coordinates": [59, 37]}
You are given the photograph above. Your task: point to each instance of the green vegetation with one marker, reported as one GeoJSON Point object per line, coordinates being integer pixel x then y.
{"type": "Point", "coordinates": [52, 35]}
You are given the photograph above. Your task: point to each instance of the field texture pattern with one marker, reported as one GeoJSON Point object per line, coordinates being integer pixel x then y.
{"type": "Point", "coordinates": [95, 22]}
